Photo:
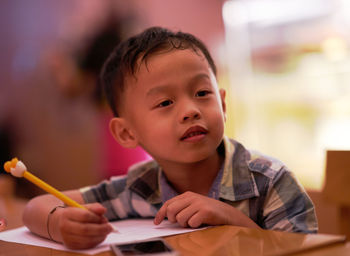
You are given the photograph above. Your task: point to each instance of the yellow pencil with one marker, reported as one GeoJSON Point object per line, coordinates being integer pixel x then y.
{"type": "Point", "coordinates": [18, 169]}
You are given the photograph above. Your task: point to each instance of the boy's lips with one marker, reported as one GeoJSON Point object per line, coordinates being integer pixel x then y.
{"type": "Point", "coordinates": [193, 131]}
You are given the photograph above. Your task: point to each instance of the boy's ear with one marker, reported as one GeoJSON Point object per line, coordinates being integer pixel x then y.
{"type": "Point", "coordinates": [223, 103]}
{"type": "Point", "coordinates": [122, 133]}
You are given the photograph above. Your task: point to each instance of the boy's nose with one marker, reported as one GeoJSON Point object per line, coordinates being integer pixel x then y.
{"type": "Point", "coordinates": [194, 116]}
{"type": "Point", "coordinates": [190, 112]}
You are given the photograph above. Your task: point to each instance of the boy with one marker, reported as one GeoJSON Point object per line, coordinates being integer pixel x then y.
{"type": "Point", "coordinates": [162, 89]}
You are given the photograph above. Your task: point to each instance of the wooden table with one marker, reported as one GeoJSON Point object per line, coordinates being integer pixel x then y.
{"type": "Point", "coordinates": [221, 240]}
{"type": "Point", "coordinates": [224, 240]}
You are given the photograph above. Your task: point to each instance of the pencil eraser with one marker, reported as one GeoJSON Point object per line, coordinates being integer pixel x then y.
{"type": "Point", "coordinates": [7, 166]}
{"type": "Point", "coordinates": [10, 164]}
{"type": "Point", "coordinates": [19, 170]}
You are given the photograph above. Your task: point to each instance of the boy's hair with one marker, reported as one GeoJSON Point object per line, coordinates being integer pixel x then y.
{"type": "Point", "coordinates": [127, 57]}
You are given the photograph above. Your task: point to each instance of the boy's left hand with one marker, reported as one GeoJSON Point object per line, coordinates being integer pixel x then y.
{"type": "Point", "coordinates": [192, 210]}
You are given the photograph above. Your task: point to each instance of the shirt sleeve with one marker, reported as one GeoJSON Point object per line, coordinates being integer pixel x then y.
{"type": "Point", "coordinates": [120, 202]}
{"type": "Point", "coordinates": [287, 205]}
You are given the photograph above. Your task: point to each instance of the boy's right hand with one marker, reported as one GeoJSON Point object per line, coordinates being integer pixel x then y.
{"type": "Point", "coordinates": [78, 228]}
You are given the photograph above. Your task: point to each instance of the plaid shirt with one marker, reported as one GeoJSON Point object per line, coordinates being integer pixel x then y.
{"type": "Point", "coordinates": [259, 186]}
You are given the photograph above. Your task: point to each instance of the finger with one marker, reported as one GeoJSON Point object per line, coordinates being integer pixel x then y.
{"type": "Point", "coordinates": [187, 194]}
{"type": "Point", "coordinates": [3, 224]}
{"type": "Point", "coordinates": [81, 215]}
{"type": "Point", "coordinates": [176, 208]}
{"type": "Point", "coordinates": [161, 214]}
{"type": "Point", "coordinates": [85, 229]}
{"type": "Point", "coordinates": [163, 211]}
{"type": "Point", "coordinates": [81, 242]}
{"type": "Point", "coordinates": [96, 208]}
{"type": "Point", "coordinates": [196, 220]}
{"type": "Point", "coordinates": [170, 209]}
{"type": "Point", "coordinates": [185, 215]}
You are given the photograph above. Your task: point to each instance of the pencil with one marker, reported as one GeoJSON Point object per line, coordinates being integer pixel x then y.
{"type": "Point", "coordinates": [18, 169]}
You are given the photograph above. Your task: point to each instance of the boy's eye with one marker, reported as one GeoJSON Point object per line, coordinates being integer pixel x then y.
{"type": "Point", "coordinates": [202, 93]}
{"type": "Point", "coordinates": [165, 103]}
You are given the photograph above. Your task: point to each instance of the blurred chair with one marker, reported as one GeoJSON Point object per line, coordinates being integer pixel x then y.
{"type": "Point", "coordinates": [337, 187]}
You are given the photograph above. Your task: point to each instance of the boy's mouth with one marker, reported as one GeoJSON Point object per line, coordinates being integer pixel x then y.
{"type": "Point", "coordinates": [193, 132]}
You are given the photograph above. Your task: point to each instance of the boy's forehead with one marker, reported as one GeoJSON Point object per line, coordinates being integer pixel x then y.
{"type": "Point", "coordinates": [163, 61]}
{"type": "Point", "coordinates": [169, 68]}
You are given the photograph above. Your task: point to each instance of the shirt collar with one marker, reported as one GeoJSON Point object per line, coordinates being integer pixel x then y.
{"type": "Point", "coordinates": [233, 182]}
{"type": "Point", "coordinates": [237, 181]}
{"type": "Point", "coordinates": [168, 192]}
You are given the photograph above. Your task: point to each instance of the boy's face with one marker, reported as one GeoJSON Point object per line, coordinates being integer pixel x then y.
{"type": "Point", "coordinates": [173, 109]}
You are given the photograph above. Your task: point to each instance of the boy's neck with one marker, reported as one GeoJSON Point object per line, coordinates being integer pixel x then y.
{"type": "Point", "coordinates": [196, 177]}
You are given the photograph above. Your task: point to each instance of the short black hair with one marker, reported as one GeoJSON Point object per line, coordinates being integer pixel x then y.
{"type": "Point", "coordinates": [123, 61]}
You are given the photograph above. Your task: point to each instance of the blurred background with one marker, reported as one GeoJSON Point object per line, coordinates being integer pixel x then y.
{"type": "Point", "coordinates": [284, 63]}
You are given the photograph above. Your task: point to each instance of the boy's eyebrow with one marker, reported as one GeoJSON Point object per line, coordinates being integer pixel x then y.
{"type": "Point", "coordinates": [157, 89]}
{"type": "Point", "coordinates": [163, 88]}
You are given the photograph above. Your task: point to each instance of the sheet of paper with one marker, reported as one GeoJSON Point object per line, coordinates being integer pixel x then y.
{"type": "Point", "coordinates": [129, 231]}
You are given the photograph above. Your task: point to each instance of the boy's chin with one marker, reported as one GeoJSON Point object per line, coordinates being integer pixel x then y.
{"type": "Point", "coordinates": [194, 159]}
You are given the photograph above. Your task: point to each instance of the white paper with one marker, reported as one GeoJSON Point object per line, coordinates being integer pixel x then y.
{"type": "Point", "coordinates": [129, 231]}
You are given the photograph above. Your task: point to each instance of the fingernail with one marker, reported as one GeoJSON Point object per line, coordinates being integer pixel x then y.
{"type": "Point", "coordinates": [156, 221]}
